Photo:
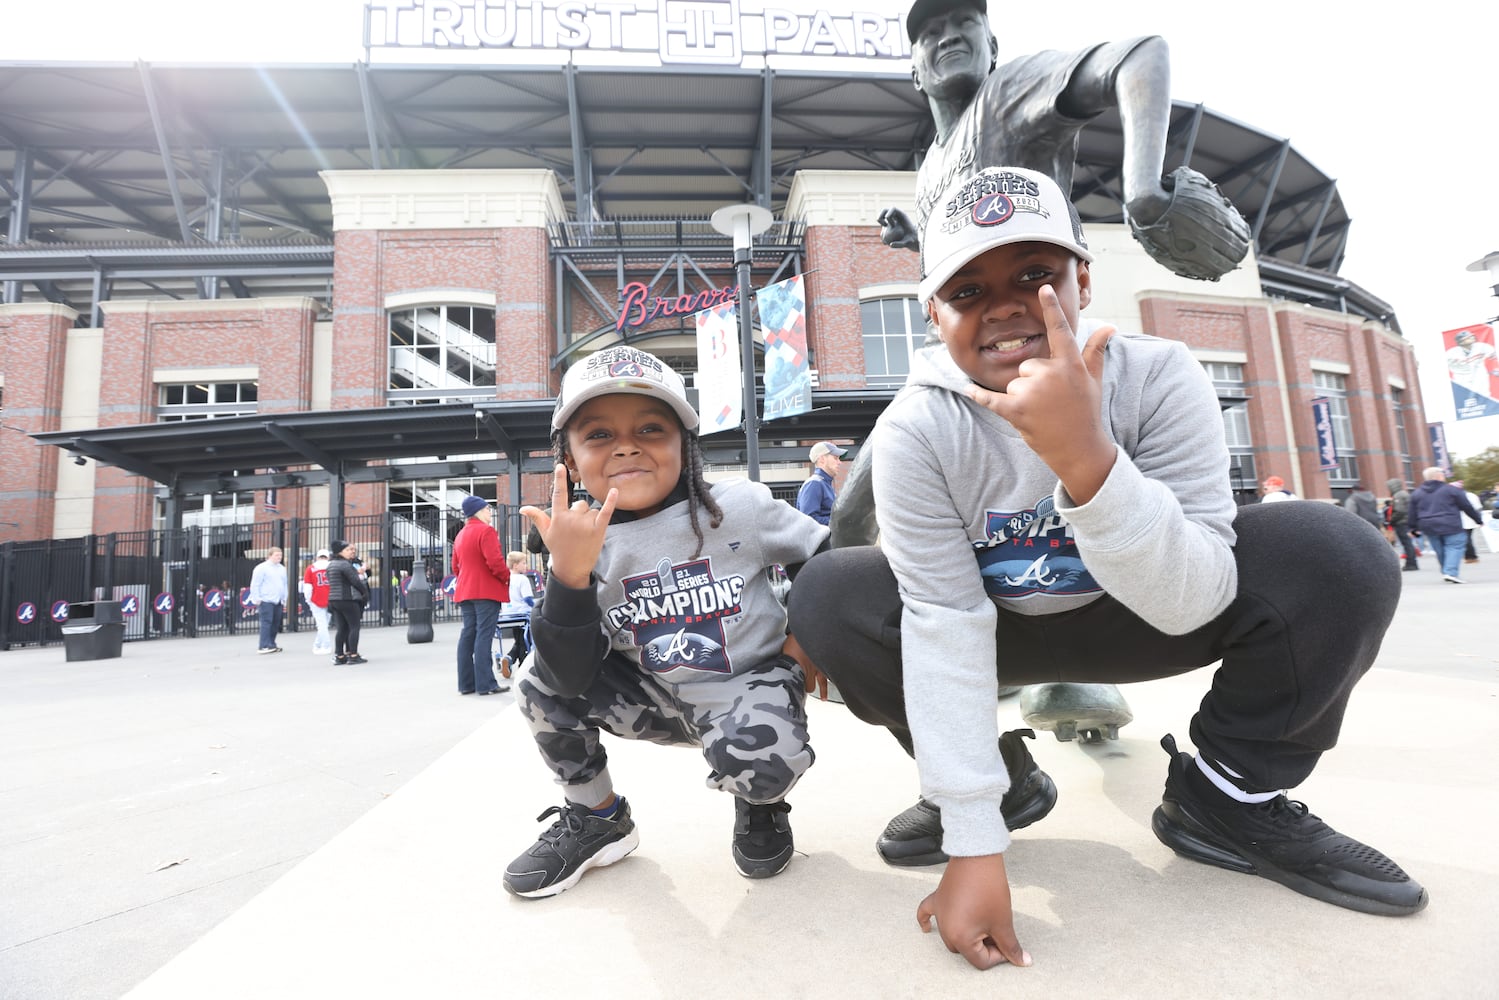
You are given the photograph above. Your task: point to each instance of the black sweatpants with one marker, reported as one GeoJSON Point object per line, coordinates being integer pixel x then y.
{"type": "Point", "coordinates": [348, 619]}
{"type": "Point", "coordinates": [1317, 590]}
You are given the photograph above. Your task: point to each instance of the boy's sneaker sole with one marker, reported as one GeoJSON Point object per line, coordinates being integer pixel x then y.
{"type": "Point", "coordinates": [576, 842]}
{"type": "Point", "coordinates": [1282, 841]}
{"type": "Point", "coordinates": [914, 838]}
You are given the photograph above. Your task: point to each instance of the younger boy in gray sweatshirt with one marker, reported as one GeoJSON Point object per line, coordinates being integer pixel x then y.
{"type": "Point", "coordinates": [1053, 502]}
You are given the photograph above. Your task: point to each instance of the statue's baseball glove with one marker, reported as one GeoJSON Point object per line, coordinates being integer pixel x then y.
{"type": "Point", "coordinates": [1201, 235]}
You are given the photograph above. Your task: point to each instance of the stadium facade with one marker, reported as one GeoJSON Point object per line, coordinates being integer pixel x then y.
{"type": "Point", "coordinates": [370, 277]}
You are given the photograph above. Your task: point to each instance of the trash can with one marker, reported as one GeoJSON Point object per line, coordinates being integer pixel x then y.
{"type": "Point", "coordinates": [95, 630]}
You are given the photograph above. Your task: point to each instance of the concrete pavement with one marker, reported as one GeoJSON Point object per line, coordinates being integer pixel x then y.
{"type": "Point", "coordinates": [196, 821]}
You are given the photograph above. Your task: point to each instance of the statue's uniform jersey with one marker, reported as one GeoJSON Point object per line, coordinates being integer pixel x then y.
{"type": "Point", "coordinates": [1014, 120]}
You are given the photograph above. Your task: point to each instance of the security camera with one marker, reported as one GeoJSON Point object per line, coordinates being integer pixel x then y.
{"type": "Point", "coordinates": [79, 460]}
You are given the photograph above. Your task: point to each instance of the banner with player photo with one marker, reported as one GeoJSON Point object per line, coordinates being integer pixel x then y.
{"type": "Point", "coordinates": [783, 318]}
{"type": "Point", "coordinates": [720, 384]}
{"type": "Point", "coordinates": [1473, 367]}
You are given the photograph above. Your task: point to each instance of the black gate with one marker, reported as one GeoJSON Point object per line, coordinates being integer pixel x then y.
{"type": "Point", "coordinates": [196, 581]}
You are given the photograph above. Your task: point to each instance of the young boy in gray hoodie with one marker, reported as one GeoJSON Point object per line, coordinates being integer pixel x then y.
{"type": "Point", "coordinates": [1054, 504]}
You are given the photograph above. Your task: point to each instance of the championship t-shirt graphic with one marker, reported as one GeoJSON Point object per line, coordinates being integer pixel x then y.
{"type": "Point", "coordinates": [676, 616]}
{"type": "Point", "coordinates": [1030, 552]}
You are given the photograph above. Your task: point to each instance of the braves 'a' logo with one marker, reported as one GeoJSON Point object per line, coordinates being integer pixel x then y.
{"type": "Point", "coordinates": [1029, 552]}
{"type": "Point", "coordinates": [993, 209]}
{"type": "Point", "coordinates": [626, 369]}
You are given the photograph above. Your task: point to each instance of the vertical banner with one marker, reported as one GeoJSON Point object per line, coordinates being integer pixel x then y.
{"type": "Point", "coordinates": [1438, 435]}
{"type": "Point", "coordinates": [720, 384]}
{"type": "Point", "coordinates": [1474, 370]}
{"type": "Point", "coordinates": [1327, 444]}
{"type": "Point", "coordinates": [783, 318]}
{"type": "Point", "coordinates": [272, 504]}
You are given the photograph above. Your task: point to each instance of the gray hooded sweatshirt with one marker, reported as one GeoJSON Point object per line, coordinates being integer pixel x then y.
{"type": "Point", "coordinates": [970, 517]}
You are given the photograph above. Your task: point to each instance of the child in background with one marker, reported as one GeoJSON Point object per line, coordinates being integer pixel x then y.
{"type": "Point", "coordinates": [658, 623]}
{"type": "Point", "coordinates": [521, 601]}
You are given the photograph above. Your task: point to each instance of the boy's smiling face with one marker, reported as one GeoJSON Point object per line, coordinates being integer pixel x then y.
{"type": "Point", "coordinates": [989, 311]}
{"type": "Point", "coordinates": [628, 442]}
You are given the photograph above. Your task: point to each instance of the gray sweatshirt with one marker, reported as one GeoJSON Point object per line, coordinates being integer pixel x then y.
{"type": "Point", "coordinates": [970, 516]}
{"type": "Point", "coordinates": [684, 618]}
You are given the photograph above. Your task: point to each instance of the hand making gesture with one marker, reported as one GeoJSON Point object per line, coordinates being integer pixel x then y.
{"type": "Point", "coordinates": [1054, 403]}
{"type": "Point", "coordinates": [573, 534]}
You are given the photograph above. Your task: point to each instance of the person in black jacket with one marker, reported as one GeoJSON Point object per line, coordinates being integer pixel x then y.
{"type": "Point", "coordinates": [347, 594]}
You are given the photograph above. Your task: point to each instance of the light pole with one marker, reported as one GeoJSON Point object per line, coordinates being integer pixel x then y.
{"type": "Point", "coordinates": [1489, 263]}
{"type": "Point", "coordinates": [742, 222]}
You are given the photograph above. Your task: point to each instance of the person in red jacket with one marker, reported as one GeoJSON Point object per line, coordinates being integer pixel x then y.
{"type": "Point", "coordinates": [483, 585]}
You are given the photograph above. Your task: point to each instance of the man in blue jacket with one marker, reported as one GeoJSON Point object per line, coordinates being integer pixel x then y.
{"type": "Point", "coordinates": [817, 493]}
{"type": "Point", "coordinates": [1435, 512]}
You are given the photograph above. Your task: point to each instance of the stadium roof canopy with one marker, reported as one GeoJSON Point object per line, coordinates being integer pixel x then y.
{"type": "Point", "coordinates": [439, 440]}
{"type": "Point", "coordinates": [92, 210]}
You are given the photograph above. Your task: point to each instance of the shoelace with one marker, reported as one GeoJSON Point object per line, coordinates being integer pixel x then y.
{"type": "Point", "coordinates": [762, 819]}
{"type": "Point", "coordinates": [568, 821]}
{"type": "Point", "coordinates": [1284, 811]}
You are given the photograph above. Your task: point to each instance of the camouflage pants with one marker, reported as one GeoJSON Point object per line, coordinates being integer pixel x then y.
{"type": "Point", "coordinates": [752, 726]}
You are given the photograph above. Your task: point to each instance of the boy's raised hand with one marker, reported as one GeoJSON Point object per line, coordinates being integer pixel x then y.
{"type": "Point", "coordinates": [1054, 403]}
{"type": "Point", "coordinates": [574, 535]}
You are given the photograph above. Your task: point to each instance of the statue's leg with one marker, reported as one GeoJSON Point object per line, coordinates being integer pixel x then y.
{"type": "Point", "coordinates": [852, 521]}
{"type": "Point", "coordinates": [1070, 710]}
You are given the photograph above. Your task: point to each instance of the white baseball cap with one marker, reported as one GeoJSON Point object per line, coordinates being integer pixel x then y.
{"type": "Point", "coordinates": [622, 369]}
{"type": "Point", "coordinates": [822, 448]}
{"type": "Point", "coordinates": [996, 207]}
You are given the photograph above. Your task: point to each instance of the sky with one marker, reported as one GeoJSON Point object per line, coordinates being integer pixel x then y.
{"type": "Point", "coordinates": [1401, 107]}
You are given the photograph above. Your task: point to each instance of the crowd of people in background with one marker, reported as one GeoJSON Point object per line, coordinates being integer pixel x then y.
{"type": "Point", "coordinates": [1435, 517]}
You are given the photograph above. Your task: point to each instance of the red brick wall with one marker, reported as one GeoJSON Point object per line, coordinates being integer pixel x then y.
{"type": "Point", "coordinates": [1307, 337]}
{"type": "Point", "coordinates": [840, 261]}
{"type": "Point", "coordinates": [32, 354]}
{"type": "Point", "coordinates": [512, 264]}
{"type": "Point", "coordinates": [276, 341]}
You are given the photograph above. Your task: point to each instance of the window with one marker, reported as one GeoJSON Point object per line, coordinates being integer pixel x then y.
{"type": "Point", "coordinates": [1228, 380]}
{"type": "Point", "coordinates": [1407, 470]}
{"type": "Point", "coordinates": [205, 400]}
{"type": "Point", "coordinates": [441, 354]}
{"type": "Point", "coordinates": [177, 401]}
{"type": "Point", "coordinates": [893, 330]}
{"type": "Point", "coordinates": [1335, 387]}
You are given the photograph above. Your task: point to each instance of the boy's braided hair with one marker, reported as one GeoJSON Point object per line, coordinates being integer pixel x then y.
{"type": "Point", "coordinates": [699, 493]}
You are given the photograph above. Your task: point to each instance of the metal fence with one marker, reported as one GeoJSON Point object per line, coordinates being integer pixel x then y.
{"type": "Point", "coordinates": [196, 581]}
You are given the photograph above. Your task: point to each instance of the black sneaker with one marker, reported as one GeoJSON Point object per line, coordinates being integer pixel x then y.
{"type": "Point", "coordinates": [576, 842]}
{"type": "Point", "coordinates": [762, 838]}
{"type": "Point", "coordinates": [914, 838]}
{"type": "Point", "coordinates": [1279, 840]}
